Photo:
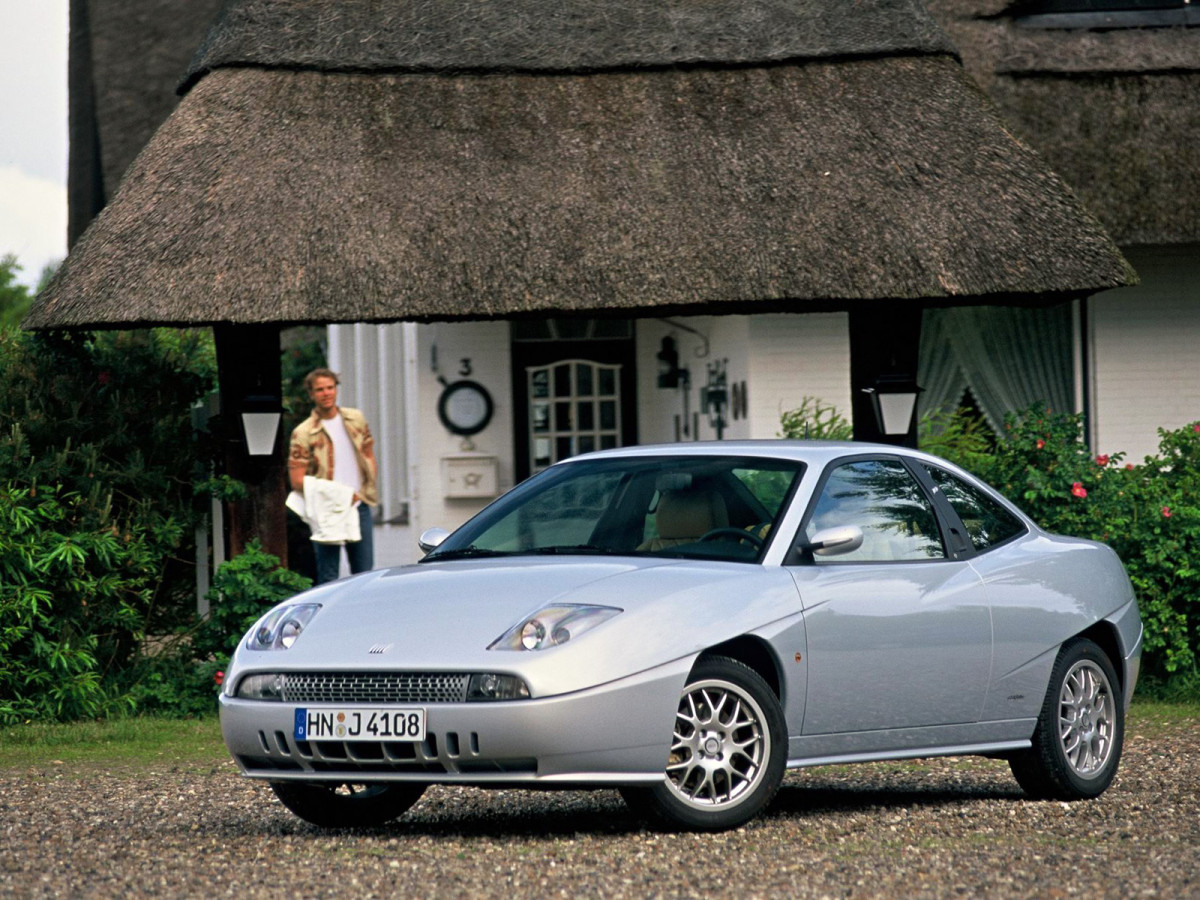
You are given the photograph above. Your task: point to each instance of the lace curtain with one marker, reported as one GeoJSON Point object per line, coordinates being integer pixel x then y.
{"type": "Point", "coordinates": [1008, 358]}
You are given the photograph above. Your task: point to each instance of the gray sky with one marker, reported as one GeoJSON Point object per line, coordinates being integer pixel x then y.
{"type": "Point", "coordinates": [33, 133]}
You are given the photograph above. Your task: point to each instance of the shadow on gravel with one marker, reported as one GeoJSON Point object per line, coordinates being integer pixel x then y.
{"type": "Point", "coordinates": [471, 813]}
{"type": "Point", "coordinates": [799, 800]}
{"type": "Point", "coordinates": [478, 813]}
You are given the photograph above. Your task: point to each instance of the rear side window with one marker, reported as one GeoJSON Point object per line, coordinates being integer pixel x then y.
{"type": "Point", "coordinates": [987, 522]}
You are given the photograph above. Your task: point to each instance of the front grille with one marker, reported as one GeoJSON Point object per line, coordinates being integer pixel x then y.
{"type": "Point", "coordinates": [375, 687]}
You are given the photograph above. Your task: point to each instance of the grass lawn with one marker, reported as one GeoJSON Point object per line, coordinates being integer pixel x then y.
{"type": "Point", "coordinates": [142, 741]}
{"type": "Point", "coordinates": [196, 743]}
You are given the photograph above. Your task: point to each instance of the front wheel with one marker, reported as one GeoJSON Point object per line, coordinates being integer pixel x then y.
{"type": "Point", "coordinates": [728, 751]}
{"type": "Point", "coordinates": [331, 805]}
{"type": "Point", "coordinates": [1078, 738]}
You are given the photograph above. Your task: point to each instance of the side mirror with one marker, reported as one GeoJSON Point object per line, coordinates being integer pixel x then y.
{"type": "Point", "coordinates": [835, 541]}
{"type": "Point", "coordinates": [431, 538]}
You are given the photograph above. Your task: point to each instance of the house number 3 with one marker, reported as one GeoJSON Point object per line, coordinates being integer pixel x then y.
{"type": "Point", "coordinates": [464, 370]}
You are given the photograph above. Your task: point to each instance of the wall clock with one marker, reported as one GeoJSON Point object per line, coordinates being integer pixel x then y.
{"type": "Point", "coordinates": [465, 407]}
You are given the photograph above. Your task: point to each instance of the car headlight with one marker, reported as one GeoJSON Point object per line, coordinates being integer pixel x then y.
{"type": "Point", "coordinates": [279, 628]}
{"type": "Point", "coordinates": [553, 626]}
{"type": "Point", "coordinates": [261, 687]}
{"type": "Point", "coordinates": [488, 686]}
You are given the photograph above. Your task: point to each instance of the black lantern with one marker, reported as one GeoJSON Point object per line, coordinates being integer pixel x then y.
{"type": "Point", "coordinates": [669, 372]}
{"type": "Point", "coordinates": [894, 398]}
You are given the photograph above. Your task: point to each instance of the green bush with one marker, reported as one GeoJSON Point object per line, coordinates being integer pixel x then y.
{"type": "Point", "coordinates": [243, 589]}
{"type": "Point", "coordinates": [183, 678]}
{"type": "Point", "coordinates": [814, 420]}
{"type": "Point", "coordinates": [963, 437]}
{"type": "Point", "coordinates": [69, 582]}
{"type": "Point", "coordinates": [97, 461]}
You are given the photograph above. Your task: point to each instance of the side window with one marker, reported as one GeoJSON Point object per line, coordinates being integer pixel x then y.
{"type": "Point", "coordinates": [887, 503]}
{"type": "Point", "coordinates": [987, 522]}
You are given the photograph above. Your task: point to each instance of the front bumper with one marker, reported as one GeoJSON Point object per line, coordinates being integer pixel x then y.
{"type": "Point", "coordinates": [618, 733]}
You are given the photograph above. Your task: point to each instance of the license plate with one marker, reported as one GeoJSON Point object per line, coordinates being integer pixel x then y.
{"type": "Point", "coordinates": [360, 724]}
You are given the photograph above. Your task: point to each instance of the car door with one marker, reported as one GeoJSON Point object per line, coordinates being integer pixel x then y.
{"type": "Point", "coordinates": [899, 630]}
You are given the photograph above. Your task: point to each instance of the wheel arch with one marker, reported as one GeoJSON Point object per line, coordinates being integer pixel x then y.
{"type": "Point", "coordinates": [1104, 635]}
{"type": "Point", "coordinates": [753, 652]}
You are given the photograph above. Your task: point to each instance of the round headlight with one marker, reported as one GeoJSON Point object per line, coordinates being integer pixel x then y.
{"type": "Point", "coordinates": [533, 634]}
{"type": "Point", "coordinates": [553, 626]}
{"type": "Point", "coordinates": [288, 632]}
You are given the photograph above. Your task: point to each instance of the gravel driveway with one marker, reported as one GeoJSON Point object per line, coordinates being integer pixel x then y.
{"type": "Point", "coordinates": [928, 828]}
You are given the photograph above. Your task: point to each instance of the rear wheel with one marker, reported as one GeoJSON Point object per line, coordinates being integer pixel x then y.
{"type": "Point", "coordinates": [331, 805]}
{"type": "Point", "coordinates": [1079, 734]}
{"type": "Point", "coordinates": [728, 751]}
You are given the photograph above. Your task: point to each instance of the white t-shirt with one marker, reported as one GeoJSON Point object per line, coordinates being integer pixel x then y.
{"type": "Point", "coordinates": [345, 460]}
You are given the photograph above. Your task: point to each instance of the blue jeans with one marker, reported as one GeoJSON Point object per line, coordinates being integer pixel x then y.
{"type": "Point", "coordinates": [360, 554]}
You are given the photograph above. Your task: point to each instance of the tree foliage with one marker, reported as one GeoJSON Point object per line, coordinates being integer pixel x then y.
{"type": "Point", "coordinates": [14, 296]}
{"type": "Point", "coordinates": [97, 463]}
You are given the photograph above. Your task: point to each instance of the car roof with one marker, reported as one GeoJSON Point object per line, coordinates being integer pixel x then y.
{"type": "Point", "coordinates": [812, 452]}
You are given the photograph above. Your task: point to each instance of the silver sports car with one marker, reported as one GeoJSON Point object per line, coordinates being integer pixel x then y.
{"type": "Point", "coordinates": [683, 623]}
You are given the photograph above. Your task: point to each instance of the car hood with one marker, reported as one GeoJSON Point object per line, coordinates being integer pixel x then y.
{"type": "Point", "coordinates": [443, 617]}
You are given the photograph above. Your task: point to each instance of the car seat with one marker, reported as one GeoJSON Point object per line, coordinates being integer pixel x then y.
{"type": "Point", "coordinates": [684, 516]}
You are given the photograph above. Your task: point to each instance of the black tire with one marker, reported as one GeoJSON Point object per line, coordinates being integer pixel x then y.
{"type": "Point", "coordinates": [1080, 731]}
{"type": "Point", "coordinates": [728, 752]}
{"type": "Point", "coordinates": [333, 805]}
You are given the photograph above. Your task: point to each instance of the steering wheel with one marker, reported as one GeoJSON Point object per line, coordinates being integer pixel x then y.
{"type": "Point", "coordinates": [730, 531]}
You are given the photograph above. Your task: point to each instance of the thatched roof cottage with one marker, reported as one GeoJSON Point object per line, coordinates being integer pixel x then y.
{"type": "Point", "coordinates": [547, 183]}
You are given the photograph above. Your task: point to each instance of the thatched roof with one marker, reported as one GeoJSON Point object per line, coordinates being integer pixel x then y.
{"type": "Point", "coordinates": [1114, 112]}
{"type": "Point", "coordinates": [126, 58]}
{"type": "Point", "coordinates": [323, 170]}
{"type": "Point", "coordinates": [454, 36]}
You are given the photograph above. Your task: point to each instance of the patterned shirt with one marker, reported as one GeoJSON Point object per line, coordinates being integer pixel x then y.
{"type": "Point", "coordinates": [312, 450]}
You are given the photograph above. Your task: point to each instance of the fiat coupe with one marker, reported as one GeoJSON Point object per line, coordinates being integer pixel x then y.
{"type": "Point", "coordinates": [684, 623]}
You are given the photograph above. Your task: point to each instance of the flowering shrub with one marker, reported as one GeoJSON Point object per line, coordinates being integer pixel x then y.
{"type": "Point", "coordinates": [1148, 513]}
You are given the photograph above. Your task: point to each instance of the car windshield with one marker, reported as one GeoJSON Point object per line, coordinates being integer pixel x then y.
{"type": "Point", "coordinates": [707, 507]}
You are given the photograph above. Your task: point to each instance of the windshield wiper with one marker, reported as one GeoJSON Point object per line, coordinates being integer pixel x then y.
{"type": "Point", "coordinates": [464, 553]}
{"type": "Point", "coordinates": [568, 549]}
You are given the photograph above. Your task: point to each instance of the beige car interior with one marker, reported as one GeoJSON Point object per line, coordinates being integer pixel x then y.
{"type": "Point", "coordinates": [683, 516]}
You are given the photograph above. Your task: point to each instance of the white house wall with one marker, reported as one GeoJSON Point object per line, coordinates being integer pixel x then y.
{"type": "Point", "coordinates": [486, 346]}
{"type": "Point", "coordinates": [658, 408]}
{"type": "Point", "coordinates": [1145, 374]}
{"type": "Point", "coordinates": [797, 356]}
{"type": "Point", "coordinates": [780, 358]}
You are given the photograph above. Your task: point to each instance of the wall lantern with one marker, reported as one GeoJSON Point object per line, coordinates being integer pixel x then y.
{"type": "Point", "coordinates": [260, 423]}
{"type": "Point", "coordinates": [894, 398]}
{"type": "Point", "coordinates": [669, 373]}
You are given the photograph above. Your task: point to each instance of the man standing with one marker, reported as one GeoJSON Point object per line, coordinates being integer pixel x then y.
{"type": "Point", "coordinates": [336, 444]}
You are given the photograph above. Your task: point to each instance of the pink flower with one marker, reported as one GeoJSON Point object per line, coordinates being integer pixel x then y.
{"type": "Point", "coordinates": [1196, 428]}
{"type": "Point", "coordinates": [1166, 512]}
{"type": "Point", "coordinates": [1129, 466]}
{"type": "Point", "coordinates": [1040, 443]}
{"type": "Point", "coordinates": [1077, 490]}
{"type": "Point", "coordinates": [1102, 459]}
{"type": "Point", "coordinates": [219, 678]}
